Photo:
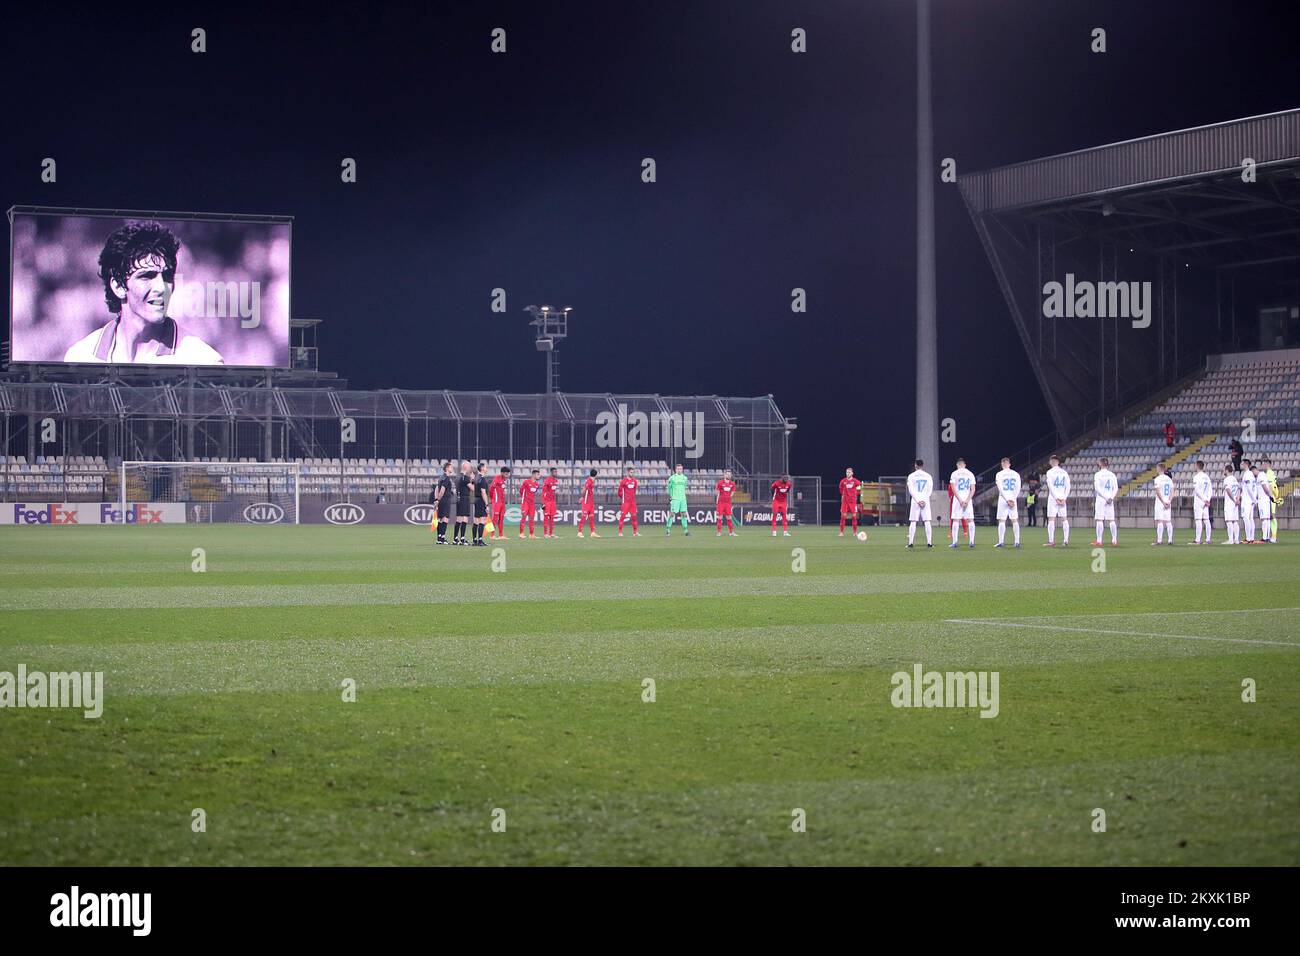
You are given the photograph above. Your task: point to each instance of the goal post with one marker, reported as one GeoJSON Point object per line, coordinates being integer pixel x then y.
{"type": "Point", "coordinates": [228, 492]}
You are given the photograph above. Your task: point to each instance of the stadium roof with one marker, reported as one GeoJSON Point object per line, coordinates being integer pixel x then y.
{"type": "Point", "coordinates": [1182, 213]}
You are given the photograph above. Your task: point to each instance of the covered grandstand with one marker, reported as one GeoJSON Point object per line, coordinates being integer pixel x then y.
{"type": "Point", "coordinates": [1203, 227]}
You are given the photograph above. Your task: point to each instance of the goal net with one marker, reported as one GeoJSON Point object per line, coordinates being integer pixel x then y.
{"type": "Point", "coordinates": [238, 492]}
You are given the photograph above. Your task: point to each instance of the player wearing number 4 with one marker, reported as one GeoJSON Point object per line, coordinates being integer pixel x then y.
{"type": "Point", "coordinates": [963, 484]}
{"type": "Point", "coordinates": [1106, 485]}
{"type": "Point", "coordinates": [1008, 484]}
{"type": "Point", "coordinates": [1164, 506]}
{"type": "Point", "coordinates": [920, 486]}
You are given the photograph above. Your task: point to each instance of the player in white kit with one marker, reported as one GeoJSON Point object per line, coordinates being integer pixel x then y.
{"type": "Point", "coordinates": [1057, 482]}
{"type": "Point", "coordinates": [1164, 507]}
{"type": "Point", "coordinates": [919, 487]}
{"type": "Point", "coordinates": [1231, 505]}
{"type": "Point", "coordinates": [1264, 505]}
{"type": "Point", "coordinates": [1249, 488]}
{"type": "Point", "coordinates": [1202, 495]}
{"type": "Point", "coordinates": [1008, 485]}
{"type": "Point", "coordinates": [963, 504]}
{"type": "Point", "coordinates": [1106, 486]}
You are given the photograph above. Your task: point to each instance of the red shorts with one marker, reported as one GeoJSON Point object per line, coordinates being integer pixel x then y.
{"type": "Point", "coordinates": [548, 508]}
{"type": "Point", "coordinates": [588, 509]}
{"type": "Point", "coordinates": [527, 509]}
{"type": "Point", "coordinates": [780, 506]}
{"type": "Point", "coordinates": [629, 507]}
{"type": "Point", "coordinates": [724, 506]}
{"type": "Point", "coordinates": [848, 506]}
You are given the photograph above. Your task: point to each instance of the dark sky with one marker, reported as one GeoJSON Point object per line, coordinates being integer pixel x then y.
{"type": "Point", "coordinates": [522, 171]}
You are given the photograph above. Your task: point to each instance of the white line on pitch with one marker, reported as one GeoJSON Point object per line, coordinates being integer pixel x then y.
{"type": "Point", "coordinates": [1095, 630]}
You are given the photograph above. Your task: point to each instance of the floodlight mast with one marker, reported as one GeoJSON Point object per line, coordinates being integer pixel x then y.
{"type": "Point", "coordinates": [552, 327]}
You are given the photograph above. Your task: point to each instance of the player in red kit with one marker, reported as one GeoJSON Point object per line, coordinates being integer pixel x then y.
{"type": "Point", "coordinates": [497, 498]}
{"type": "Point", "coordinates": [528, 502]}
{"type": "Point", "coordinates": [849, 500]}
{"type": "Point", "coordinates": [627, 495]}
{"type": "Point", "coordinates": [725, 487]}
{"type": "Point", "coordinates": [587, 511]}
{"type": "Point", "coordinates": [781, 504]}
{"type": "Point", "coordinates": [550, 484]}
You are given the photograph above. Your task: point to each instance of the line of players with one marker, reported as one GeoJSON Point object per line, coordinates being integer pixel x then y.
{"type": "Point", "coordinates": [1252, 493]}
{"type": "Point", "coordinates": [465, 502]}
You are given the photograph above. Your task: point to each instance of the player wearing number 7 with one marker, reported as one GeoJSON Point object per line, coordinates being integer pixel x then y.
{"type": "Point", "coordinates": [963, 484]}
{"type": "Point", "coordinates": [1008, 484]}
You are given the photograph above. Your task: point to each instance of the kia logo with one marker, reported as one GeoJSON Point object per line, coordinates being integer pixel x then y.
{"type": "Point", "coordinates": [264, 512]}
{"type": "Point", "coordinates": [418, 514]}
{"type": "Point", "coordinates": [344, 513]}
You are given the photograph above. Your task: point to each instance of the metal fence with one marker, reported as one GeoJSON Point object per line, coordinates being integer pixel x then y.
{"type": "Point", "coordinates": [59, 423]}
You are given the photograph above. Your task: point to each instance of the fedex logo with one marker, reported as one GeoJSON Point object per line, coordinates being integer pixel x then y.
{"type": "Point", "coordinates": [50, 514]}
{"type": "Point", "coordinates": [135, 514]}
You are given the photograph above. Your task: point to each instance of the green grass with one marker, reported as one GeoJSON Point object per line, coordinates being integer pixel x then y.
{"type": "Point", "coordinates": [522, 690]}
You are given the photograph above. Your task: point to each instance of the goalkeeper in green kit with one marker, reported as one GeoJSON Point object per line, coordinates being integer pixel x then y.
{"type": "Point", "coordinates": [677, 501]}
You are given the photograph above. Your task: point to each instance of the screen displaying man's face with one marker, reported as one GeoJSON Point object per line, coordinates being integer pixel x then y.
{"type": "Point", "coordinates": [147, 289]}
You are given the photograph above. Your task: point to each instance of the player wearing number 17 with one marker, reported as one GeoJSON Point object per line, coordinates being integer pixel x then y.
{"type": "Point", "coordinates": [920, 486]}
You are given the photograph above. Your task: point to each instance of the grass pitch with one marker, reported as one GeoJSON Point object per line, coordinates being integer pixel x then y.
{"type": "Point", "coordinates": [522, 690]}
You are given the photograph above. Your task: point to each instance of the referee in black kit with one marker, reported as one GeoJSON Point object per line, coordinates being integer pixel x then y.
{"type": "Point", "coordinates": [465, 494]}
{"type": "Point", "coordinates": [480, 504]}
{"type": "Point", "coordinates": [444, 500]}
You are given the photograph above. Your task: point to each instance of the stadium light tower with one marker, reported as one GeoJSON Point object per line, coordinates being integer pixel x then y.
{"type": "Point", "coordinates": [552, 327]}
{"type": "Point", "coordinates": [927, 351]}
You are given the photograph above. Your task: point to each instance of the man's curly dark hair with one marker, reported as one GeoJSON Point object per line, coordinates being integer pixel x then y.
{"type": "Point", "coordinates": [128, 247]}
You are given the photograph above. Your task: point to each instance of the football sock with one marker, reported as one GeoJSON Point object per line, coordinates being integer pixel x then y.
{"type": "Point", "coordinates": [1160, 532]}
{"type": "Point", "coordinates": [1051, 531]}
{"type": "Point", "coordinates": [928, 538]}
{"type": "Point", "coordinates": [1114, 533]}
{"type": "Point", "coordinates": [911, 532]}
{"type": "Point", "coordinates": [1002, 532]}
{"type": "Point", "coordinates": [1015, 530]}
{"type": "Point", "coordinates": [1100, 531]}
{"type": "Point", "coordinates": [1065, 531]}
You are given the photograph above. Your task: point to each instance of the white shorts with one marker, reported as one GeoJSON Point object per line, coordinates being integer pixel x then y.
{"type": "Point", "coordinates": [1265, 506]}
{"type": "Point", "coordinates": [1007, 510]}
{"type": "Point", "coordinates": [960, 511]}
{"type": "Point", "coordinates": [1057, 511]}
{"type": "Point", "coordinates": [1103, 510]}
{"type": "Point", "coordinates": [1199, 510]}
{"type": "Point", "coordinates": [1230, 511]}
{"type": "Point", "coordinates": [918, 513]}
{"type": "Point", "coordinates": [1164, 512]}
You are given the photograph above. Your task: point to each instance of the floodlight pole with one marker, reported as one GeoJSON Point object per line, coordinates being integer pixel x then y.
{"type": "Point", "coordinates": [927, 353]}
{"type": "Point", "coordinates": [552, 327]}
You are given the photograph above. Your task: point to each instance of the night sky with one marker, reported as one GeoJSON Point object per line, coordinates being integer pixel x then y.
{"type": "Point", "coordinates": [522, 171]}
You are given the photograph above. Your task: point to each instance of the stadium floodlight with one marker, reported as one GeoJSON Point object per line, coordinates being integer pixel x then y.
{"type": "Point", "coordinates": [552, 327]}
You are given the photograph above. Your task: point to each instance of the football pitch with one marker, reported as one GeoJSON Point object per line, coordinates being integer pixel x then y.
{"type": "Point", "coordinates": [647, 701]}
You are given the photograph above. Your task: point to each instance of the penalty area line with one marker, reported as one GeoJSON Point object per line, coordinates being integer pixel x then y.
{"type": "Point", "coordinates": [1098, 630]}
